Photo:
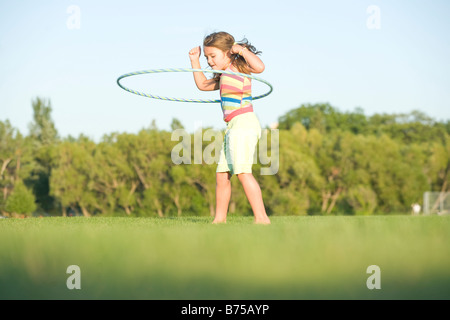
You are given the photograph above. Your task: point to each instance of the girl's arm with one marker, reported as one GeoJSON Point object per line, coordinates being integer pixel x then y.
{"type": "Point", "coordinates": [254, 62]}
{"type": "Point", "coordinates": [200, 79]}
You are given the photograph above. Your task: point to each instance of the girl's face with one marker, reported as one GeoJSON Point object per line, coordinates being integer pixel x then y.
{"type": "Point", "coordinates": [217, 59]}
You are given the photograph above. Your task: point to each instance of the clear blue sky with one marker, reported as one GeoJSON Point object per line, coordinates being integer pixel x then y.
{"type": "Point", "coordinates": [314, 51]}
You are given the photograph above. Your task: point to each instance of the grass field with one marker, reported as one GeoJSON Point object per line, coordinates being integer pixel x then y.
{"type": "Point", "coordinates": [312, 257]}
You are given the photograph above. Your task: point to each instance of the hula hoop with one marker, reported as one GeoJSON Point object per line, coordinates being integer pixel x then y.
{"type": "Point", "coordinates": [189, 70]}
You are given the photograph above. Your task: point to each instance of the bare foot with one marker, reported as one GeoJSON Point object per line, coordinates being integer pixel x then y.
{"type": "Point", "coordinates": [219, 221]}
{"type": "Point", "coordinates": [262, 221]}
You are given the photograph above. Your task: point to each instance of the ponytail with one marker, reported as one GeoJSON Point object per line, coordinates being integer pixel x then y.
{"type": "Point", "coordinates": [239, 61]}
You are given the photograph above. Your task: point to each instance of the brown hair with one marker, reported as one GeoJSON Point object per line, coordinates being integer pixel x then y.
{"type": "Point", "coordinates": [225, 41]}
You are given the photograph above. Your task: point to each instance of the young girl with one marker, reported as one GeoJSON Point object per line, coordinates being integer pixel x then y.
{"type": "Point", "coordinates": [243, 128]}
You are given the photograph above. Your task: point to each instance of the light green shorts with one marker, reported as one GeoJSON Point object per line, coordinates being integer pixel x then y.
{"type": "Point", "coordinates": [239, 144]}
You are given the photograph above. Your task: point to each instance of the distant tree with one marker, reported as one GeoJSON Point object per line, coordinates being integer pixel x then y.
{"type": "Point", "coordinates": [298, 177]}
{"type": "Point", "coordinates": [149, 160]}
{"type": "Point", "coordinates": [324, 118]}
{"type": "Point", "coordinates": [330, 162]}
{"type": "Point", "coordinates": [44, 137]}
{"type": "Point", "coordinates": [176, 124]}
{"type": "Point", "coordinates": [437, 166]}
{"type": "Point", "coordinates": [113, 181]}
{"type": "Point", "coordinates": [16, 160]}
{"type": "Point", "coordinates": [8, 159]}
{"type": "Point", "coordinates": [21, 201]}
{"type": "Point", "coordinates": [73, 169]}
{"type": "Point", "coordinates": [43, 129]}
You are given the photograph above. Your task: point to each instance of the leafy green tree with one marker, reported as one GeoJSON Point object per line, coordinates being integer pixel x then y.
{"type": "Point", "coordinates": [203, 179]}
{"type": "Point", "coordinates": [71, 180]}
{"type": "Point", "coordinates": [43, 129]}
{"type": "Point", "coordinates": [437, 166]}
{"type": "Point", "coordinates": [176, 124]}
{"type": "Point", "coordinates": [362, 199]}
{"type": "Point", "coordinates": [8, 143]}
{"type": "Point", "coordinates": [155, 203]}
{"type": "Point", "coordinates": [298, 174]}
{"type": "Point", "coordinates": [112, 179]}
{"type": "Point", "coordinates": [43, 137]}
{"type": "Point", "coordinates": [16, 160]}
{"type": "Point", "coordinates": [145, 155]}
{"type": "Point", "coordinates": [330, 162]}
{"type": "Point", "coordinates": [176, 188]}
{"type": "Point", "coordinates": [21, 201]}
{"type": "Point", "coordinates": [324, 118]}
{"type": "Point", "coordinates": [335, 160]}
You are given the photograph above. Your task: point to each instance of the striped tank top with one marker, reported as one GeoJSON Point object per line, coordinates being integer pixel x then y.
{"type": "Point", "coordinates": [235, 94]}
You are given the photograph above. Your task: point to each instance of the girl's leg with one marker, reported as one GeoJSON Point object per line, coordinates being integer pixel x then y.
{"type": "Point", "coordinates": [254, 196]}
{"type": "Point", "coordinates": [223, 195]}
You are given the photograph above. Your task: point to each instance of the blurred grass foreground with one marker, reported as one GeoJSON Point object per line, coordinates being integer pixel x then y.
{"type": "Point", "coordinates": [308, 257]}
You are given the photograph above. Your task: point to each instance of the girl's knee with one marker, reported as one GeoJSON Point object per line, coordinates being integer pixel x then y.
{"type": "Point", "coordinates": [223, 178]}
{"type": "Point", "coordinates": [243, 176]}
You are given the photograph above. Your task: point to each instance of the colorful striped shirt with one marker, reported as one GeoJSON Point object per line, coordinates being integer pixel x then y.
{"type": "Point", "coordinates": [235, 95]}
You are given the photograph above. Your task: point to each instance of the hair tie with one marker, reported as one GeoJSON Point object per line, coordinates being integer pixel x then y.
{"type": "Point", "coordinates": [242, 50]}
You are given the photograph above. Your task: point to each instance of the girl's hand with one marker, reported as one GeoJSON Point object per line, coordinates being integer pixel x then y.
{"type": "Point", "coordinates": [194, 53]}
{"type": "Point", "coordinates": [236, 48]}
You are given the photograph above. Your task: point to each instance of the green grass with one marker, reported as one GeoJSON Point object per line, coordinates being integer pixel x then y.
{"type": "Point", "coordinates": [311, 257]}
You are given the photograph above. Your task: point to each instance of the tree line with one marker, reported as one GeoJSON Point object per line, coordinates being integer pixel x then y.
{"type": "Point", "coordinates": [329, 162]}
